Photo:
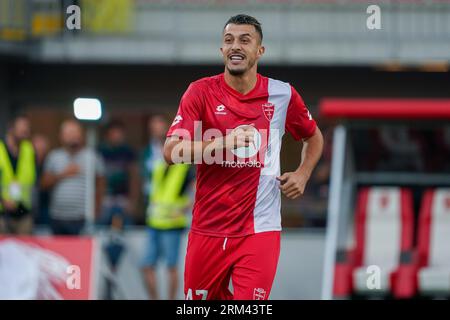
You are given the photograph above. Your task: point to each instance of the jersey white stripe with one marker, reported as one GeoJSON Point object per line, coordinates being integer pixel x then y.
{"type": "Point", "coordinates": [267, 215]}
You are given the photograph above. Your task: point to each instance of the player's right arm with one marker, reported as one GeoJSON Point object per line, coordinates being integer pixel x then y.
{"type": "Point", "coordinates": [179, 150]}
{"type": "Point", "coordinates": [185, 143]}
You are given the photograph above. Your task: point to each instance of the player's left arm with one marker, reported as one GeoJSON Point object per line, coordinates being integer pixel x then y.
{"type": "Point", "coordinates": [293, 184]}
{"type": "Point", "coordinates": [301, 125]}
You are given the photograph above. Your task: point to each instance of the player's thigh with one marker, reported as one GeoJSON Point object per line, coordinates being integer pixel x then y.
{"type": "Point", "coordinates": [256, 266]}
{"type": "Point", "coordinates": [207, 269]}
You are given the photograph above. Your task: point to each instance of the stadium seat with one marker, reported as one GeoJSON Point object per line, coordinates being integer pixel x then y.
{"type": "Point", "coordinates": [434, 243]}
{"type": "Point", "coordinates": [384, 239]}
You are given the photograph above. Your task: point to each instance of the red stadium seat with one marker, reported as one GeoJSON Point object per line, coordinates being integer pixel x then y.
{"type": "Point", "coordinates": [434, 243]}
{"type": "Point", "coordinates": [384, 239]}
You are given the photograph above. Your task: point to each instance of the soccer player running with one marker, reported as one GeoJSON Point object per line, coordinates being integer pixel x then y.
{"type": "Point", "coordinates": [241, 116]}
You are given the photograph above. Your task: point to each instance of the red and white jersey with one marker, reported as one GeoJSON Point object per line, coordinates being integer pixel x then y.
{"type": "Point", "coordinates": [239, 194]}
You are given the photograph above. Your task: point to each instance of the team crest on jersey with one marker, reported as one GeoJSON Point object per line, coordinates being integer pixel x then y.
{"type": "Point", "coordinates": [259, 294]}
{"type": "Point", "coordinates": [268, 110]}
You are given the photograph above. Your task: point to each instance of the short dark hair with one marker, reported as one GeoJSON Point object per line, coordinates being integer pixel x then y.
{"type": "Point", "coordinates": [113, 125]}
{"type": "Point", "coordinates": [246, 19]}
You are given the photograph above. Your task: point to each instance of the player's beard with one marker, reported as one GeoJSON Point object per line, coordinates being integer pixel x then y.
{"type": "Point", "coordinates": [240, 71]}
{"type": "Point", "coordinates": [237, 72]}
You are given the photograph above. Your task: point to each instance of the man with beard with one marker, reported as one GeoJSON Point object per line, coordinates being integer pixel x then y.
{"type": "Point", "coordinates": [17, 178]}
{"type": "Point", "coordinates": [65, 177]}
{"type": "Point", "coordinates": [241, 116]}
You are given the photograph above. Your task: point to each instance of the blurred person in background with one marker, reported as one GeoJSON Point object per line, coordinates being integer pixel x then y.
{"type": "Point", "coordinates": [18, 177]}
{"type": "Point", "coordinates": [42, 147]}
{"type": "Point", "coordinates": [122, 192]}
{"type": "Point", "coordinates": [169, 195]}
{"type": "Point", "coordinates": [65, 177]}
{"type": "Point", "coordinates": [156, 128]}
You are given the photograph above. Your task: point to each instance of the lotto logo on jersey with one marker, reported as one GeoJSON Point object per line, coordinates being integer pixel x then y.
{"type": "Point", "coordinates": [177, 120]}
{"type": "Point", "coordinates": [220, 110]}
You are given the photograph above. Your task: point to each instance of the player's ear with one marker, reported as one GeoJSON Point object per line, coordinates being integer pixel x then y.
{"type": "Point", "coordinates": [261, 51]}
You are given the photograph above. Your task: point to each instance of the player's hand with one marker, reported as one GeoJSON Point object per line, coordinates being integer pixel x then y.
{"type": "Point", "coordinates": [292, 184]}
{"type": "Point", "coordinates": [239, 137]}
{"type": "Point", "coordinates": [71, 170]}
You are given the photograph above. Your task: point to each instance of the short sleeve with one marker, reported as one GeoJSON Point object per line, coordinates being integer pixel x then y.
{"type": "Point", "coordinates": [189, 114]}
{"type": "Point", "coordinates": [299, 122]}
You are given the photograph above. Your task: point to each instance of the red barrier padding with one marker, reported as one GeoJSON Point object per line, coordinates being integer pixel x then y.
{"type": "Point", "coordinates": [404, 280]}
{"type": "Point", "coordinates": [385, 108]}
{"type": "Point", "coordinates": [64, 266]}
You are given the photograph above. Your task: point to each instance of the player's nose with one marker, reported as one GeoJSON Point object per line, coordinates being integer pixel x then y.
{"type": "Point", "coordinates": [236, 46]}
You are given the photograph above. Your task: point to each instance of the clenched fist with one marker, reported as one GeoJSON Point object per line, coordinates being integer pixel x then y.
{"type": "Point", "coordinates": [292, 184]}
{"type": "Point", "coordinates": [239, 137]}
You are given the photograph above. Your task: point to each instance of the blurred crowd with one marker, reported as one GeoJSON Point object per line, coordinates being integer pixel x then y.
{"type": "Point", "coordinates": [58, 188]}
{"type": "Point", "coordinates": [46, 187]}
{"type": "Point", "coordinates": [40, 186]}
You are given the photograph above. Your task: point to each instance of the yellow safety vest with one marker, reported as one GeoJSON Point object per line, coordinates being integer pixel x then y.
{"type": "Point", "coordinates": [166, 204]}
{"type": "Point", "coordinates": [17, 186]}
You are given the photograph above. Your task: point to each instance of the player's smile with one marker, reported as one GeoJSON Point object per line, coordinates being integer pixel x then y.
{"type": "Point", "coordinates": [236, 58]}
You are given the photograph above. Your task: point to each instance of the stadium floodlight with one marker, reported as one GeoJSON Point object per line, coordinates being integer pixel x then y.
{"type": "Point", "coordinates": [87, 109]}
